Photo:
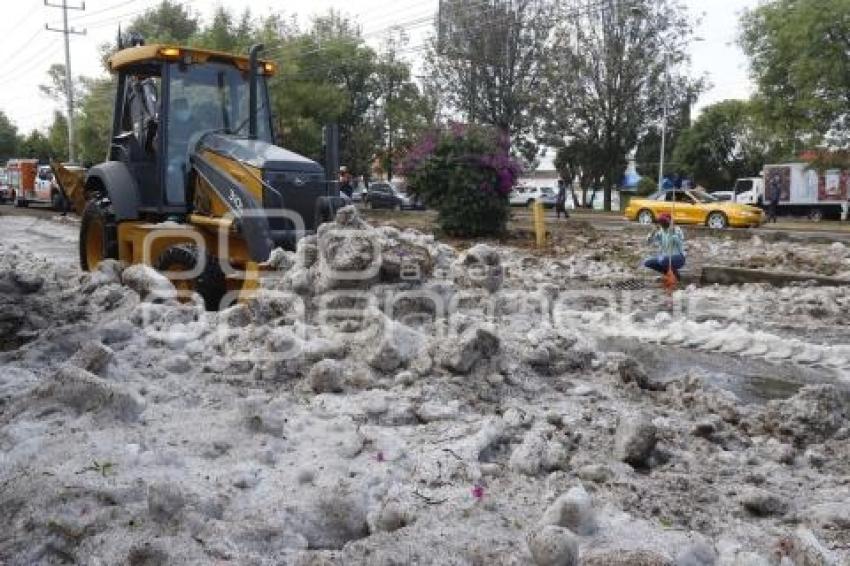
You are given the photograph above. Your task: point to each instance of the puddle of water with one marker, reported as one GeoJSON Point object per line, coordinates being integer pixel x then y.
{"type": "Point", "coordinates": [752, 380]}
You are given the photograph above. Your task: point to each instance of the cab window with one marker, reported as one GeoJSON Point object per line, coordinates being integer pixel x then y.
{"type": "Point", "coordinates": [743, 186]}
{"type": "Point", "coordinates": [678, 196]}
{"type": "Point", "coordinates": [203, 98]}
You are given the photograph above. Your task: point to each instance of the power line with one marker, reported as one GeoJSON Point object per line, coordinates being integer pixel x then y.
{"type": "Point", "coordinates": [19, 24]}
{"type": "Point", "coordinates": [32, 63]}
{"type": "Point", "coordinates": [81, 18]}
{"type": "Point", "coordinates": [418, 21]}
{"type": "Point", "coordinates": [24, 45]}
{"type": "Point", "coordinates": [114, 19]}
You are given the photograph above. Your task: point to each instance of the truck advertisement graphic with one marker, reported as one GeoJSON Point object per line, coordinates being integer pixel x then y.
{"type": "Point", "coordinates": [832, 185]}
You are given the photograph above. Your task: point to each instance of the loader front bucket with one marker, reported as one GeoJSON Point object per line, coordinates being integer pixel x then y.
{"type": "Point", "coordinates": [71, 180]}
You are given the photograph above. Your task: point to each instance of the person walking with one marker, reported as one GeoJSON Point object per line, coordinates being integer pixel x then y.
{"type": "Point", "coordinates": [775, 195]}
{"type": "Point", "coordinates": [345, 186]}
{"type": "Point", "coordinates": [561, 200]}
{"type": "Point", "coordinates": [670, 241]}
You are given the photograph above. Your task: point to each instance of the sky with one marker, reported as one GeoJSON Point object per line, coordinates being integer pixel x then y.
{"type": "Point", "coordinates": [28, 49]}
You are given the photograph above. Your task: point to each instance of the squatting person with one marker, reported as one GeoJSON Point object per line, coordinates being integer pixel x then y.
{"type": "Point", "coordinates": [670, 241]}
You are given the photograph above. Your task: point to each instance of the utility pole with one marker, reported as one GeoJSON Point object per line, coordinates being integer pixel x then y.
{"type": "Point", "coordinates": [69, 82]}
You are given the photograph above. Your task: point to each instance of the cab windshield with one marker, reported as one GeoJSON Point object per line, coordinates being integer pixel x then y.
{"type": "Point", "coordinates": [211, 96]}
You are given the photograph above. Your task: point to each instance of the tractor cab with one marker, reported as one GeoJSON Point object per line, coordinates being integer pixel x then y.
{"type": "Point", "coordinates": [168, 98]}
{"type": "Point", "coordinates": [193, 145]}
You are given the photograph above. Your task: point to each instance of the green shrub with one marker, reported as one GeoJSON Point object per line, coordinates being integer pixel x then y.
{"type": "Point", "coordinates": [466, 174]}
{"type": "Point", "coordinates": [646, 186]}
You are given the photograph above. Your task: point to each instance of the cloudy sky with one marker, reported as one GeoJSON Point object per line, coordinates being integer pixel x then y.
{"type": "Point", "coordinates": [28, 49]}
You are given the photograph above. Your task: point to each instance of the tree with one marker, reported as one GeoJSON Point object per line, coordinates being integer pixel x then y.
{"type": "Point", "coordinates": [94, 122]}
{"type": "Point", "coordinates": [329, 75]}
{"type": "Point", "coordinates": [799, 54]}
{"type": "Point", "coordinates": [723, 144]}
{"type": "Point", "coordinates": [57, 136]}
{"type": "Point", "coordinates": [224, 34]}
{"type": "Point", "coordinates": [466, 174]}
{"type": "Point", "coordinates": [488, 63]}
{"type": "Point", "coordinates": [57, 87]}
{"type": "Point", "coordinates": [35, 146]}
{"type": "Point", "coordinates": [8, 138]}
{"type": "Point", "coordinates": [579, 159]}
{"type": "Point", "coordinates": [403, 112]}
{"type": "Point", "coordinates": [649, 148]}
{"type": "Point", "coordinates": [168, 22]}
{"type": "Point", "coordinates": [610, 73]}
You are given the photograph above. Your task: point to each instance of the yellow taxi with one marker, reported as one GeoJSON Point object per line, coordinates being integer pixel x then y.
{"type": "Point", "coordinates": [693, 207]}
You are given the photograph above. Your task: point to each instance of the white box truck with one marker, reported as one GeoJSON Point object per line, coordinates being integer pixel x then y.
{"type": "Point", "coordinates": [803, 191]}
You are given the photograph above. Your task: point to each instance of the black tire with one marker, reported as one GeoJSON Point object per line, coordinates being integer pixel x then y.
{"type": "Point", "coordinates": [816, 215]}
{"type": "Point", "coordinates": [717, 220]}
{"type": "Point", "coordinates": [209, 284]}
{"type": "Point", "coordinates": [59, 202]}
{"type": "Point", "coordinates": [97, 231]}
{"type": "Point", "coordinates": [644, 214]}
{"type": "Point", "coordinates": [19, 202]}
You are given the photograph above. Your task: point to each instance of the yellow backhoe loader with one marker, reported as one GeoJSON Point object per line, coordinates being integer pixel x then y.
{"type": "Point", "coordinates": [193, 183]}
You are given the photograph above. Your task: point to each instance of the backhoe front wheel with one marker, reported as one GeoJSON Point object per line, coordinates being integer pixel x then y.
{"type": "Point", "coordinates": [179, 261]}
{"type": "Point", "coordinates": [98, 234]}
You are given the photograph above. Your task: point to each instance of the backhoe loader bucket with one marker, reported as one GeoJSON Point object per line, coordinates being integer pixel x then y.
{"type": "Point", "coordinates": [71, 180]}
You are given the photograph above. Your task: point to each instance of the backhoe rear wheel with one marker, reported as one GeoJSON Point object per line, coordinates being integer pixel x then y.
{"type": "Point", "coordinates": [98, 234]}
{"type": "Point", "coordinates": [184, 258]}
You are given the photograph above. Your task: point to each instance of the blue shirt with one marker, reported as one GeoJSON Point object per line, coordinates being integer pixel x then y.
{"type": "Point", "coordinates": [670, 241]}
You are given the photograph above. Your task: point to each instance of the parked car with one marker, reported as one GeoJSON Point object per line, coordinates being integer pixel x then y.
{"type": "Point", "coordinates": [359, 192]}
{"type": "Point", "coordinates": [693, 207]}
{"type": "Point", "coordinates": [388, 195]}
{"type": "Point", "coordinates": [526, 196]}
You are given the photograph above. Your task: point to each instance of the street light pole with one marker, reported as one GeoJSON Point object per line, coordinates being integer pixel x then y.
{"type": "Point", "coordinates": [664, 115]}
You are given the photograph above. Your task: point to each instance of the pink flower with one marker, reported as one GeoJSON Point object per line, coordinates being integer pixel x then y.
{"type": "Point", "coordinates": [478, 492]}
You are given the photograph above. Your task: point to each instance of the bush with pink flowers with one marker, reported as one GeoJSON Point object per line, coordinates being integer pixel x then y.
{"type": "Point", "coordinates": [464, 172]}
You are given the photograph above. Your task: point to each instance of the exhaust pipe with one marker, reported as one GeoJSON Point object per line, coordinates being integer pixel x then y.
{"type": "Point", "coordinates": [252, 90]}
